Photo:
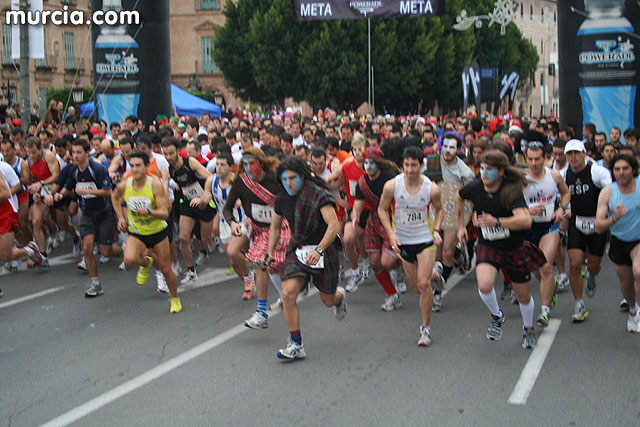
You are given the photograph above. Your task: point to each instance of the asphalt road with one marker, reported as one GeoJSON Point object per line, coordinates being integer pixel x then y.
{"type": "Point", "coordinates": [122, 359]}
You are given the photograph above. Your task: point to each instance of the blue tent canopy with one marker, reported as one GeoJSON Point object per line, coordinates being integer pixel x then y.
{"type": "Point", "coordinates": [186, 104]}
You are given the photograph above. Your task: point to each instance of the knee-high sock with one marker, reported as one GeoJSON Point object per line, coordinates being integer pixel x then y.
{"type": "Point", "coordinates": [527, 313]}
{"type": "Point", "coordinates": [491, 301]}
{"type": "Point", "coordinates": [385, 280]}
{"type": "Point", "coordinates": [277, 282]}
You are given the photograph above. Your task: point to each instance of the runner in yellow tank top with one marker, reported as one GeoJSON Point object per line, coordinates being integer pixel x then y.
{"type": "Point", "coordinates": [147, 208]}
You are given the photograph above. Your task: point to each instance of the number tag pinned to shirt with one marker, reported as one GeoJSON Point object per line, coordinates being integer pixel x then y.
{"type": "Point", "coordinates": [46, 190]}
{"type": "Point", "coordinates": [87, 186]}
{"type": "Point", "coordinates": [262, 213]}
{"type": "Point", "coordinates": [586, 224]}
{"type": "Point", "coordinates": [352, 187]}
{"type": "Point", "coordinates": [495, 233]}
{"type": "Point", "coordinates": [192, 191]}
{"type": "Point", "coordinates": [544, 216]}
{"type": "Point", "coordinates": [303, 252]}
{"type": "Point", "coordinates": [410, 217]}
{"type": "Point", "coordinates": [134, 203]}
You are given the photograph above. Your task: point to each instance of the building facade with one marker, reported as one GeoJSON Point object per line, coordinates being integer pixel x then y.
{"type": "Point", "coordinates": [538, 20]}
{"type": "Point", "coordinates": [67, 61]}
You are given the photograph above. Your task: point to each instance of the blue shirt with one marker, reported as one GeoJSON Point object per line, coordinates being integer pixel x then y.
{"type": "Point", "coordinates": [627, 228]}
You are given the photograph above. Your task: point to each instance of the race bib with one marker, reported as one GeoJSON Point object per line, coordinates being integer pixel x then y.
{"type": "Point", "coordinates": [495, 233]}
{"type": "Point", "coordinates": [352, 187]}
{"type": "Point", "coordinates": [303, 252]}
{"type": "Point", "coordinates": [133, 203]}
{"type": "Point", "coordinates": [87, 186]}
{"type": "Point", "coordinates": [192, 191]}
{"type": "Point", "coordinates": [262, 213]}
{"type": "Point", "coordinates": [544, 216]}
{"type": "Point", "coordinates": [408, 216]}
{"type": "Point", "coordinates": [586, 224]}
{"type": "Point", "coordinates": [46, 190]}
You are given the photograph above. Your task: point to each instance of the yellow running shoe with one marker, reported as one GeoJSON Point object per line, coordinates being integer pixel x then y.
{"type": "Point", "coordinates": [231, 271]}
{"type": "Point", "coordinates": [176, 307]}
{"type": "Point", "coordinates": [143, 272]}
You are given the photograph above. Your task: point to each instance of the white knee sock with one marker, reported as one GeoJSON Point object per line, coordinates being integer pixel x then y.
{"type": "Point", "coordinates": [527, 313]}
{"type": "Point", "coordinates": [491, 301]}
{"type": "Point", "coordinates": [277, 282]}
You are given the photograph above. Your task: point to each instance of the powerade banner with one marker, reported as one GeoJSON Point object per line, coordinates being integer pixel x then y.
{"type": "Point", "coordinates": [306, 10]}
{"type": "Point", "coordinates": [598, 63]}
{"type": "Point", "coordinates": [131, 62]}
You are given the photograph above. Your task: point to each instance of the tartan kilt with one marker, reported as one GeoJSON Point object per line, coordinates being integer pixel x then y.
{"type": "Point", "coordinates": [260, 243]}
{"type": "Point", "coordinates": [325, 279]}
{"type": "Point", "coordinates": [375, 237]}
{"type": "Point", "coordinates": [526, 259]}
{"type": "Point", "coordinates": [472, 231]}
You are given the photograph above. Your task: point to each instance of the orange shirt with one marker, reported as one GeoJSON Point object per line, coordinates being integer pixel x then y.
{"type": "Point", "coordinates": [342, 156]}
{"type": "Point", "coordinates": [153, 170]}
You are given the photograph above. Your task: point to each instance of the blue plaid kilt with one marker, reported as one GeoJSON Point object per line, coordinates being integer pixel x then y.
{"type": "Point", "coordinates": [526, 259]}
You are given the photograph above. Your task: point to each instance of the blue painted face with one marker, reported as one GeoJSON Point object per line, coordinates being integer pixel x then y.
{"type": "Point", "coordinates": [489, 172]}
{"type": "Point", "coordinates": [291, 185]}
{"type": "Point", "coordinates": [371, 165]}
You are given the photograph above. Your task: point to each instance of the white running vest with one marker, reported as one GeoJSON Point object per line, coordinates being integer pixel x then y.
{"type": "Point", "coordinates": [543, 192]}
{"type": "Point", "coordinates": [411, 221]}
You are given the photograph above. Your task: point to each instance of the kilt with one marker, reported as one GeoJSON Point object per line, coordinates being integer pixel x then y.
{"type": "Point", "coordinates": [526, 259]}
{"type": "Point", "coordinates": [375, 238]}
{"type": "Point", "coordinates": [260, 244]}
{"type": "Point", "coordinates": [325, 279]}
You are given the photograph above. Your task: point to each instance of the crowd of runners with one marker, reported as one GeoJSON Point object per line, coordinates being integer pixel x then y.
{"type": "Point", "coordinates": [324, 199]}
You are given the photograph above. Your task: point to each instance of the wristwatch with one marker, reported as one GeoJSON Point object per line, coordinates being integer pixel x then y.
{"type": "Point", "coordinates": [319, 250]}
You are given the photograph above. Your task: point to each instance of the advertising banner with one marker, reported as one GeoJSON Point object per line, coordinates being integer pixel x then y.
{"type": "Point", "coordinates": [305, 10]}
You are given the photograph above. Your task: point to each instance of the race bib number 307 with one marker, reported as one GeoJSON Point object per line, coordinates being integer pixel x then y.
{"type": "Point", "coordinates": [262, 213]}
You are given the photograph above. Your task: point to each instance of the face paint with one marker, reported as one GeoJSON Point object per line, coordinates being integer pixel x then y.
{"type": "Point", "coordinates": [291, 189]}
{"type": "Point", "coordinates": [489, 172]}
{"type": "Point", "coordinates": [252, 166]}
{"type": "Point", "coordinates": [370, 164]}
{"type": "Point", "coordinates": [450, 146]}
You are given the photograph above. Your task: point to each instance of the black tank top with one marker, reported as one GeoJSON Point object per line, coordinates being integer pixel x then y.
{"type": "Point", "coordinates": [584, 193]}
{"type": "Point", "coordinates": [185, 176]}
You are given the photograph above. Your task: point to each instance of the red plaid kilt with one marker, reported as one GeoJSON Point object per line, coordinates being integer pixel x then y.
{"type": "Point", "coordinates": [260, 244]}
{"type": "Point", "coordinates": [526, 259]}
{"type": "Point", "coordinates": [472, 231]}
{"type": "Point", "coordinates": [375, 238]}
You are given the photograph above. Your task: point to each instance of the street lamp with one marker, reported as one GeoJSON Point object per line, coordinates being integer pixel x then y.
{"type": "Point", "coordinates": [78, 94]}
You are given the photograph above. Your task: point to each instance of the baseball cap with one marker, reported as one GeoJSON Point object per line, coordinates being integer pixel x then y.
{"type": "Point", "coordinates": [574, 145]}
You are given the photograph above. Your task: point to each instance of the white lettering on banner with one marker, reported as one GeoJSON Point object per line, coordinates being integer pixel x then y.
{"type": "Point", "coordinates": [410, 216]}
{"type": "Point", "coordinates": [87, 186]}
{"type": "Point", "coordinates": [586, 224]}
{"type": "Point", "coordinates": [262, 213]}
{"type": "Point", "coordinates": [192, 191]}
{"type": "Point", "coordinates": [315, 9]}
{"type": "Point", "coordinates": [416, 7]}
{"type": "Point", "coordinates": [495, 233]}
{"type": "Point", "coordinates": [134, 203]}
{"type": "Point", "coordinates": [303, 252]}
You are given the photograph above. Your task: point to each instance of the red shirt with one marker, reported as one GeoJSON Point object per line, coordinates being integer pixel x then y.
{"type": "Point", "coordinates": [352, 173]}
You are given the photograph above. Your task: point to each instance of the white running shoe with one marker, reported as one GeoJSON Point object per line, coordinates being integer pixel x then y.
{"type": "Point", "coordinates": [122, 266]}
{"type": "Point", "coordinates": [189, 278]}
{"type": "Point", "coordinates": [202, 256]}
{"type": "Point", "coordinates": [401, 281]}
{"type": "Point", "coordinates": [392, 302]}
{"type": "Point", "coordinates": [162, 284]}
{"type": "Point", "coordinates": [365, 268]}
{"type": "Point", "coordinates": [276, 305]}
{"type": "Point", "coordinates": [563, 282]}
{"type": "Point", "coordinates": [438, 283]}
{"type": "Point", "coordinates": [355, 281]}
{"type": "Point", "coordinates": [293, 351]}
{"type": "Point", "coordinates": [340, 311]}
{"type": "Point", "coordinates": [633, 324]}
{"type": "Point", "coordinates": [177, 269]}
{"type": "Point", "coordinates": [425, 336]}
{"type": "Point", "coordinates": [258, 320]}
{"type": "Point", "coordinates": [82, 265]}
{"type": "Point", "coordinates": [104, 259]}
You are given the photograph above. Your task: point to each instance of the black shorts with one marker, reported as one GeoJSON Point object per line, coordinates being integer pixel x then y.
{"type": "Point", "coordinates": [205, 214]}
{"type": "Point", "coordinates": [103, 228]}
{"type": "Point", "coordinates": [539, 230]}
{"type": "Point", "coordinates": [151, 240]}
{"type": "Point", "coordinates": [578, 240]}
{"type": "Point", "coordinates": [620, 251]}
{"type": "Point", "coordinates": [63, 204]}
{"type": "Point", "coordinates": [325, 279]}
{"type": "Point", "coordinates": [409, 253]}
{"type": "Point", "coordinates": [362, 221]}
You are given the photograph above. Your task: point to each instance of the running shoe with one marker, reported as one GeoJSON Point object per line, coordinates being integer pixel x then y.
{"type": "Point", "coordinates": [249, 286]}
{"type": "Point", "coordinates": [143, 272]}
{"type": "Point", "coordinates": [437, 302]}
{"type": "Point", "coordinates": [93, 290]}
{"type": "Point", "coordinates": [494, 331]}
{"type": "Point", "coordinates": [529, 339]}
{"type": "Point", "coordinates": [202, 256]}
{"type": "Point", "coordinates": [189, 278]}
{"type": "Point", "coordinates": [104, 259]}
{"type": "Point", "coordinates": [293, 351]}
{"type": "Point", "coordinates": [49, 245]}
{"type": "Point", "coordinates": [122, 266]}
{"type": "Point", "coordinates": [11, 266]}
{"type": "Point", "coordinates": [392, 302]}
{"type": "Point", "coordinates": [340, 273]}
{"type": "Point", "coordinates": [543, 319]}
{"type": "Point", "coordinates": [230, 271]}
{"type": "Point", "coordinates": [401, 281]}
{"type": "Point", "coordinates": [162, 283]}
{"type": "Point", "coordinates": [507, 292]}
{"type": "Point", "coordinates": [258, 320]}
{"type": "Point", "coordinates": [77, 247]}
{"type": "Point", "coordinates": [438, 283]}
{"type": "Point", "coordinates": [219, 245]}
{"type": "Point", "coordinates": [45, 260]}
{"type": "Point", "coordinates": [340, 311]}
{"type": "Point", "coordinates": [562, 282]}
{"type": "Point", "coordinates": [579, 313]}
{"type": "Point", "coordinates": [55, 241]}
{"type": "Point", "coordinates": [176, 306]}
{"type": "Point", "coordinates": [554, 299]}
{"type": "Point", "coordinates": [425, 336]}
{"type": "Point", "coordinates": [457, 257]}
{"type": "Point", "coordinates": [467, 258]}
{"type": "Point", "coordinates": [34, 253]}
{"type": "Point", "coordinates": [355, 281]}
{"type": "Point", "coordinates": [633, 324]}
{"type": "Point", "coordinates": [365, 268]}
{"type": "Point", "coordinates": [177, 269]}
{"type": "Point", "coordinates": [624, 305]}
{"type": "Point", "coordinates": [590, 285]}
{"type": "Point", "coordinates": [276, 305]}
{"type": "Point", "coordinates": [82, 265]}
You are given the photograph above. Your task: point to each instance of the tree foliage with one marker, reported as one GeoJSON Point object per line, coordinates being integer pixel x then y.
{"type": "Point", "coordinates": [266, 56]}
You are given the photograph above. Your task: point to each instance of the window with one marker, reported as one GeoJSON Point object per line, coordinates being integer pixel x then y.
{"type": "Point", "coordinates": [542, 14]}
{"type": "Point", "coordinates": [542, 47]}
{"type": "Point", "coordinates": [208, 65]}
{"type": "Point", "coordinates": [208, 4]}
{"type": "Point", "coordinates": [521, 9]}
{"type": "Point", "coordinates": [69, 50]}
{"type": "Point", "coordinates": [6, 44]}
{"type": "Point", "coordinates": [554, 17]}
{"type": "Point", "coordinates": [531, 12]}
{"type": "Point", "coordinates": [42, 62]}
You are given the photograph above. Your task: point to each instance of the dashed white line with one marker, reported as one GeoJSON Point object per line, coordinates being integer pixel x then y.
{"type": "Point", "coordinates": [30, 297]}
{"type": "Point", "coordinates": [532, 369]}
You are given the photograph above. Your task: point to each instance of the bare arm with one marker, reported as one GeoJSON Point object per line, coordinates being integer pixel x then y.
{"type": "Point", "coordinates": [5, 192]}
{"type": "Point", "coordinates": [163, 205]}
{"type": "Point", "coordinates": [274, 234]}
{"type": "Point", "coordinates": [54, 167]}
{"type": "Point", "coordinates": [383, 210]}
{"type": "Point", "coordinates": [520, 220]}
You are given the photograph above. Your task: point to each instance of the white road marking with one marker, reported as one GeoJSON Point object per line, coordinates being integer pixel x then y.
{"type": "Point", "coordinates": [209, 277]}
{"type": "Point", "coordinates": [532, 369]}
{"type": "Point", "coordinates": [30, 297]}
{"type": "Point", "coordinates": [54, 261]}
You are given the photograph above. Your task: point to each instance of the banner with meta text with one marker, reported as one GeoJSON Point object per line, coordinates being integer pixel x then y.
{"type": "Point", "coordinates": [305, 10]}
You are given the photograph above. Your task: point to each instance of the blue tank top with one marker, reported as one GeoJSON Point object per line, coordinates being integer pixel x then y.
{"type": "Point", "coordinates": [627, 228]}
